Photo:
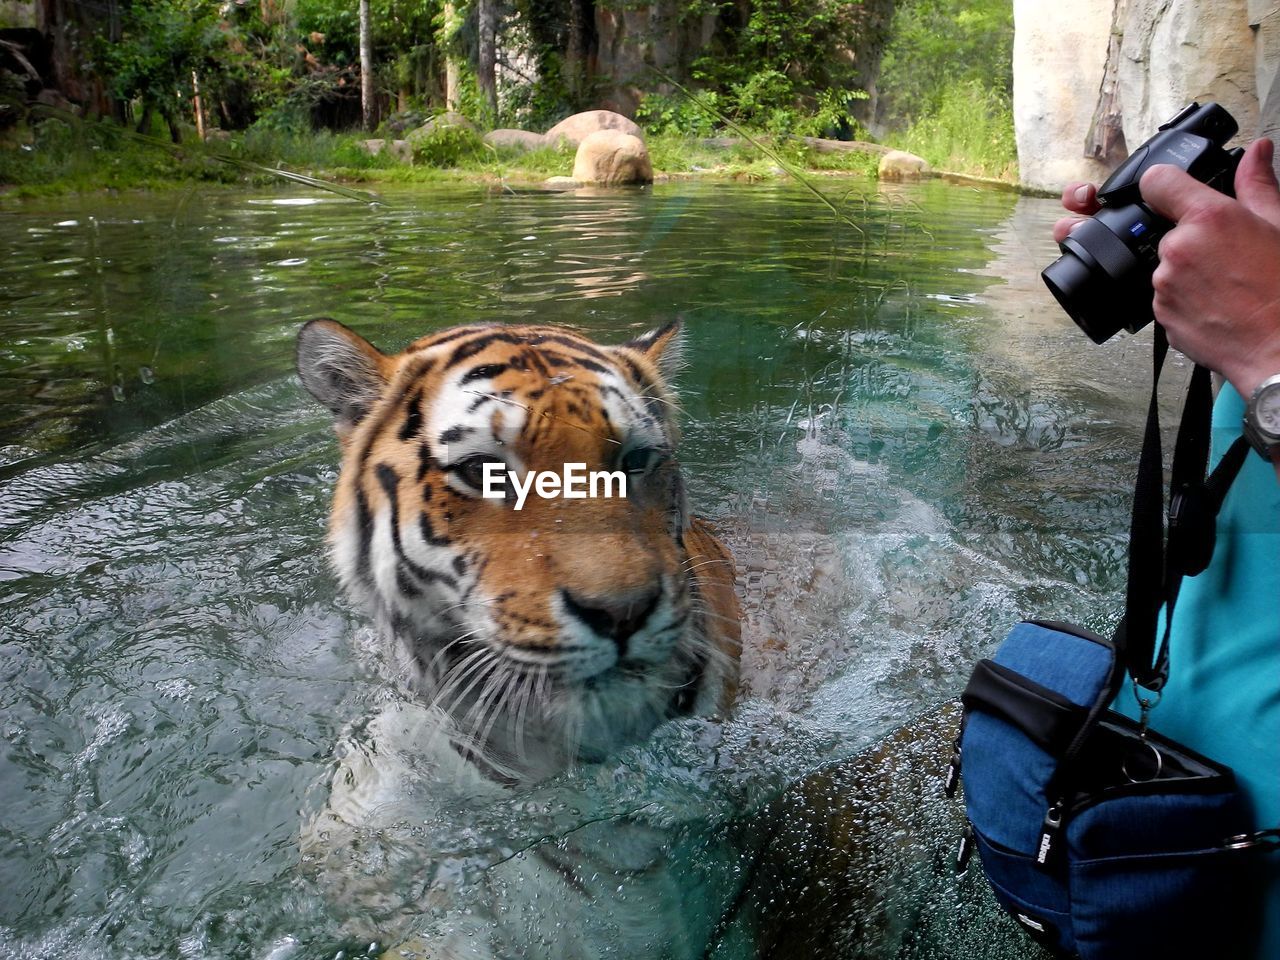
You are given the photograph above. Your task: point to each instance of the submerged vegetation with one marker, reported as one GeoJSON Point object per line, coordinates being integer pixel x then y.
{"type": "Point", "coordinates": [175, 91]}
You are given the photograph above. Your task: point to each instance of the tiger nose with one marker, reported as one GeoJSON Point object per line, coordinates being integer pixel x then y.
{"type": "Point", "coordinates": [615, 617]}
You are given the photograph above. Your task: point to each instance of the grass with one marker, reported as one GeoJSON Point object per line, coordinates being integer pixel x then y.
{"type": "Point", "coordinates": [58, 156]}
{"type": "Point", "coordinates": [65, 155]}
{"type": "Point", "coordinates": [971, 133]}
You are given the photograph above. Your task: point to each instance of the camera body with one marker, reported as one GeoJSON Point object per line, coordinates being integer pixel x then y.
{"type": "Point", "coordinates": [1103, 278]}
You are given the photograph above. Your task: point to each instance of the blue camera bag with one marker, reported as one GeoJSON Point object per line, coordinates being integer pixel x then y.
{"type": "Point", "coordinates": [1110, 857]}
{"type": "Point", "coordinates": [1098, 835]}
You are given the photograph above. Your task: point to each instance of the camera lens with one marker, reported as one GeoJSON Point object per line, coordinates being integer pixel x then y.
{"type": "Point", "coordinates": [1073, 283]}
{"type": "Point", "coordinates": [1101, 282]}
{"type": "Point", "coordinates": [1090, 296]}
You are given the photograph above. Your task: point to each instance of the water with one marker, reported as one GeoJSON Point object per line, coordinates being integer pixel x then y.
{"type": "Point", "coordinates": [906, 445]}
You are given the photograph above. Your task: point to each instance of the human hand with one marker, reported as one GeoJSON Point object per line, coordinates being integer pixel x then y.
{"type": "Point", "coordinates": [1217, 288]}
{"type": "Point", "coordinates": [1082, 200]}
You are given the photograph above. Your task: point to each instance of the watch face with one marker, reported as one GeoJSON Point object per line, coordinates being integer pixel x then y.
{"type": "Point", "coordinates": [1268, 410]}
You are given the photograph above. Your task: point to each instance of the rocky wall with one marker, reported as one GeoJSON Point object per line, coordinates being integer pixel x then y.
{"type": "Point", "coordinates": [1059, 54]}
{"type": "Point", "coordinates": [1135, 63]}
{"type": "Point", "coordinates": [1176, 51]}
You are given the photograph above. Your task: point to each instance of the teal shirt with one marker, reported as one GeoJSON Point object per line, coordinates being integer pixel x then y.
{"type": "Point", "coordinates": [1223, 694]}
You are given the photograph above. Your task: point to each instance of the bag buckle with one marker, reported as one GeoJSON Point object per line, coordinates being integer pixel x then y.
{"type": "Point", "coordinates": [1138, 774]}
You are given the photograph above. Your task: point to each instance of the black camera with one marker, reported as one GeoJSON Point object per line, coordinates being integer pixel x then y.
{"type": "Point", "coordinates": [1103, 278]}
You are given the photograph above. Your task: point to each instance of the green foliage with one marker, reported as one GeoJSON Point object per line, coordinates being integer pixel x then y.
{"type": "Point", "coordinates": [946, 84]}
{"type": "Point", "coordinates": [778, 69]}
{"type": "Point", "coordinates": [941, 45]}
{"type": "Point", "coordinates": [661, 113]}
{"type": "Point", "coordinates": [84, 156]}
{"type": "Point", "coordinates": [404, 33]}
{"type": "Point", "coordinates": [448, 146]}
{"type": "Point", "coordinates": [971, 132]}
{"type": "Point", "coordinates": [765, 99]}
{"type": "Point", "coordinates": [788, 64]}
{"type": "Point", "coordinates": [162, 43]}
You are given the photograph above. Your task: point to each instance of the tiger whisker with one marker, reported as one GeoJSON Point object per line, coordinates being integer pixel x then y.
{"type": "Point", "coordinates": [522, 714]}
{"type": "Point", "coordinates": [481, 660]}
{"type": "Point", "coordinates": [468, 637]}
{"type": "Point", "coordinates": [502, 700]}
{"type": "Point", "coordinates": [705, 563]}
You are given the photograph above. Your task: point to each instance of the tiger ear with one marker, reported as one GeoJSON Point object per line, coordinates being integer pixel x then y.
{"type": "Point", "coordinates": [663, 347]}
{"type": "Point", "coordinates": [342, 370]}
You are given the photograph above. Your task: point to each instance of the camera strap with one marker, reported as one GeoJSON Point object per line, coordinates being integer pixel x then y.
{"type": "Point", "coordinates": [1157, 563]}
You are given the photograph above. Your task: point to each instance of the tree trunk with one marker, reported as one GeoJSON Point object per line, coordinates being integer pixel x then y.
{"type": "Point", "coordinates": [368, 108]}
{"type": "Point", "coordinates": [486, 56]}
{"type": "Point", "coordinates": [197, 105]}
{"type": "Point", "coordinates": [582, 45]}
{"type": "Point", "coordinates": [450, 61]}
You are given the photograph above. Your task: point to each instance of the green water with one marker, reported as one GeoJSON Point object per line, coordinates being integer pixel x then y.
{"type": "Point", "coordinates": [904, 454]}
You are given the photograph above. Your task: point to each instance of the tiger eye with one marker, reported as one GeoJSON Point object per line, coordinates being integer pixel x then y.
{"type": "Point", "coordinates": [639, 460]}
{"type": "Point", "coordinates": [471, 470]}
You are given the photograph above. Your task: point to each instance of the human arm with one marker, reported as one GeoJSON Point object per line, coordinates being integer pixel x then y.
{"type": "Point", "coordinates": [1217, 288]}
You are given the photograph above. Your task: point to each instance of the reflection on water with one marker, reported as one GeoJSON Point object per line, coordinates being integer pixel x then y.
{"type": "Point", "coordinates": [904, 454]}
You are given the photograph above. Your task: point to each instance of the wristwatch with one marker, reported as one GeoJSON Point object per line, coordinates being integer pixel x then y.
{"type": "Point", "coordinates": [1262, 417]}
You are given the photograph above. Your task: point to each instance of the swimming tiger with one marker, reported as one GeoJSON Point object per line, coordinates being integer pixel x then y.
{"type": "Point", "coordinates": [549, 634]}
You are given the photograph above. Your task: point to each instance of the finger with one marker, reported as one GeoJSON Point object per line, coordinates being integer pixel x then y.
{"type": "Point", "coordinates": [1177, 195]}
{"type": "Point", "coordinates": [1256, 186]}
{"type": "Point", "coordinates": [1081, 198]}
{"type": "Point", "coordinates": [1064, 227]}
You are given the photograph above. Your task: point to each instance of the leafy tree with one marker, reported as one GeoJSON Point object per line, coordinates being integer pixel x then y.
{"type": "Point", "coordinates": [776, 60]}
{"type": "Point", "coordinates": [162, 43]}
{"type": "Point", "coordinates": [943, 45]}
{"type": "Point", "coordinates": [404, 40]}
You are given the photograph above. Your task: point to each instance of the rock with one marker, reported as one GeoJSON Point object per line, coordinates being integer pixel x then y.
{"type": "Point", "coordinates": [402, 150]}
{"type": "Point", "coordinates": [900, 165]}
{"type": "Point", "coordinates": [1176, 51]}
{"type": "Point", "coordinates": [50, 97]}
{"type": "Point", "coordinates": [449, 119]}
{"type": "Point", "coordinates": [845, 146]}
{"type": "Point", "coordinates": [217, 135]}
{"type": "Point", "coordinates": [611, 158]}
{"type": "Point", "coordinates": [1059, 54]}
{"type": "Point", "coordinates": [561, 183]}
{"type": "Point", "coordinates": [515, 139]}
{"type": "Point", "coordinates": [575, 129]}
{"type": "Point", "coordinates": [1169, 53]}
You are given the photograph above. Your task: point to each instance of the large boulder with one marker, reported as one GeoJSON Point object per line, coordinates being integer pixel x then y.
{"type": "Point", "coordinates": [400, 149]}
{"type": "Point", "coordinates": [1176, 51]}
{"type": "Point", "coordinates": [515, 139]}
{"type": "Point", "coordinates": [575, 129]}
{"type": "Point", "coordinates": [438, 122]}
{"type": "Point", "coordinates": [1059, 55]}
{"type": "Point", "coordinates": [612, 158]}
{"type": "Point", "coordinates": [900, 165]}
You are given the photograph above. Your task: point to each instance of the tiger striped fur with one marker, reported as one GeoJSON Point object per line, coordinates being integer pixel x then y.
{"type": "Point", "coordinates": [552, 634]}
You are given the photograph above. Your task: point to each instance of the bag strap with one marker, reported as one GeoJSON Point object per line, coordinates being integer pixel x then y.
{"type": "Point", "coordinates": [1157, 567]}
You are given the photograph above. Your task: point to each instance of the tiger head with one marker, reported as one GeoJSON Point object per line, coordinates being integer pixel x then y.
{"type": "Point", "coordinates": [548, 627]}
